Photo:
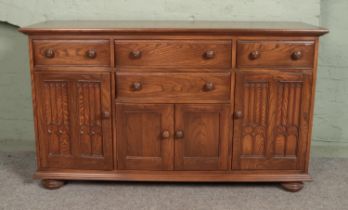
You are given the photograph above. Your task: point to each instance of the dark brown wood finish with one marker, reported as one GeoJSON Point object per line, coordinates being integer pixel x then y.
{"type": "Point", "coordinates": [173, 101]}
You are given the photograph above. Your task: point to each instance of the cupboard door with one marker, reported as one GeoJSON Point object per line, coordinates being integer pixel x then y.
{"type": "Point", "coordinates": [271, 120]}
{"type": "Point", "coordinates": [144, 136]}
{"type": "Point", "coordinates": [202, 136]}
{"type": "Point", "coordinates": [74, 120]}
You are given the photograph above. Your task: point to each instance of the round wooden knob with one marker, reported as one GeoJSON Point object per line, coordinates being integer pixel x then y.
{"type": "Point", "coordinates": [254, 55]}
{"type": "Point", "coordinates": [60, 131]}
{"type": "Point", "coordinates": [106, 115]}
{"type": "Point", "coordinates": [137, 86]}
{"type": "Point", "coordinates": [92, 132]}
{"type": "Point", "coordinates": [209, 86]}
{"type": "Point", "coordinates": [209, 54]}
{"type": "Point", "coordinates": [165, 134]}
{"type": "Point", "coordinates": [49, 53]}
{"type": "Point", "coordinates": [49, 131]}
{"type": "Point", "coordinates": [92, 53]}
{"type": "Point", "coordinates": [135, 54]}
{"type": "Point", "coordinates": [81, 132]}
{"type": "Point", "coordinates": [179, 134]}
{"type": "Point", "coordinates": [238, 114]}
{"type": "Point", "coordinates": [296, 55]}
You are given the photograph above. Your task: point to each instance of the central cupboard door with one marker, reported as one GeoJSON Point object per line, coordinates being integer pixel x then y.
{"type": "Point", "coordinates": [202, 136]}
{"type": "Point", "coordinates": [159, 137]}
{"type": "Point", "coordinates": [144, 136]}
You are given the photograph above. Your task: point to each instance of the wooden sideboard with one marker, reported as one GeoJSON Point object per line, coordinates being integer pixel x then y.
{"type": "Point", "coordinates": [173, 101]}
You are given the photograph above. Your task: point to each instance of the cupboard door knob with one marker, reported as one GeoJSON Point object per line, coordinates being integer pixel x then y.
{"type": "Point", "coordinates": [209, 54]}
{"type": "Point", "coordinates": [165, 134]}
{"type": "Point", "coordinates": [296, 55]}
{"type": "Point", "coordinates": [49, 53]}
{"type": "Point", "coordinates": [179, 134]}
{"type": "Point", "coordinates": [254, 55]}
{"type": "Point", "coordinates": [136, 86]}
{"type": "Point", "coordinates": [81, 132]}
{"type": "Point", "coordinates": [92, 53]}
{"type": "Point", "coordinates": [238, 114]}
{"type": "Point", "coordinates": [136, 54]}
{"type": "Point", "coordinates": [106, 115]}
{"type": "Point", "coordinates": [60, 132]}
{"type": "Point", "coordinates": [49, 131]}
{"type": "Point", "coordinates": [209, 86]}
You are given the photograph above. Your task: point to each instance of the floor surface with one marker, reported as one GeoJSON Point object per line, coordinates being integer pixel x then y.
{"type": "Point", "coordinates": [18, 191]}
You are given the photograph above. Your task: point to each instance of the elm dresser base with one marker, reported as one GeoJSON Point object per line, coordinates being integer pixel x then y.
{"type": "Point", "coordinates": [173, 101]}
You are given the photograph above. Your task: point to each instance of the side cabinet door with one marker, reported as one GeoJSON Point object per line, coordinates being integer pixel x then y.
{"type": "Point", "coordinates": [73, 120]}
{"type": "Point", "coordinates": [271, 120]}
{"type": "Point", "coordinates": [144, 136]}
{"type": "Point", "coordinates": [202, 133]}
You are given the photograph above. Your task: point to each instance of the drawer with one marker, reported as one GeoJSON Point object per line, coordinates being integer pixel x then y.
{"type": "Point", "coordinates": [72, 52]}
{"type": "Point", "coordinates": [173, 87]}
{"type": "Point", "coordinates": [173, 53]}
{"type": "Point", "coordinates": [280, 54]}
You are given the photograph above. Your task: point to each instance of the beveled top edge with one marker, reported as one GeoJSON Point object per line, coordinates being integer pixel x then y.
{"type": "Point", "coordinates": [211, 27]}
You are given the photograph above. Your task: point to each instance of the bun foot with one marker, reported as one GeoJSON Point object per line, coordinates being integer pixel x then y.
{"type": "Point", "coordinates": [52, 184]}
{"type": "Point", "coordinates": [292, 186]}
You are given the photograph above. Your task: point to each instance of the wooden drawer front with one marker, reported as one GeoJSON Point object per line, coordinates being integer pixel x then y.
{"type": "Point", "coordinates": [175, 54]}
{"type": "Point", "coordinates": [72, 52]}
{"type": "Point", "coordinates": [173, 87]}
{"type": "Point", "coordinates": [283, 54]}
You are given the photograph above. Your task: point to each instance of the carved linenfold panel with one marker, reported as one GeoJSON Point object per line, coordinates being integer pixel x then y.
{"type": "Point", "coordinates": [289, 95]}
{"type": "Point", "coordinates": [90, 124]}
{"type": "Point", "coordinates": [254, 125]}
{"type": "Point", "coordinates": [57, 117]}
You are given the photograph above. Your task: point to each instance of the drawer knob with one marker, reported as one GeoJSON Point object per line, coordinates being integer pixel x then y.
{"type": "Point", "coordinates": [238, 115]}
{"type": "Point", "coordinates": [179, 134]}
{"type": "Point", "coordinates": [136, 54]}
{"type": "Point", "coordinates": [49, 53]}
{"type": "Point", "coordinates": [209, 86]}
{"type": "Point", "coordinates": [136, 86]}
{"type": "Point", "coordinates": [209, 54]}
{"type": "Point", "coordinates": [92, 53]}
{"type": "Point", "coordinates": [165, 134]}
{"type": "Point", "coordinates": [106, 115]}
{"type": "Point", "coordinates": [296, 55]}
{"type": "Point", "coordinates": [254, 55]}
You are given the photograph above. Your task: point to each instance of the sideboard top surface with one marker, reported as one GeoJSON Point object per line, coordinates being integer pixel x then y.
{"type": "Point", "coordinates": [198, 27]}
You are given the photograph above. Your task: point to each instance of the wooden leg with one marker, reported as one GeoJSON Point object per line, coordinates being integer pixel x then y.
{"type": "Point", "coordinates": [52, 184]}
{"type": "Point", "coordinates": [292, 186]}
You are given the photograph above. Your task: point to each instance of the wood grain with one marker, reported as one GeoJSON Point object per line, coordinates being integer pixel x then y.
{"type": "Point", "coordinates": [139, 142]}
{"type": "Point", "coordinates": [69, 103]}
{"type": "Point", "coordinates": [71, 52]}
{"type": "Point", "coordinates": [205, 143]}
{"type": "Point", "coordinates": [274, 54]}
{"type": "Point", "coordinates": [173, 53]}
{"type": "Point", "coordinates": [173, 87]}
{"type": "Point", "coordinates": [271, 133]}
